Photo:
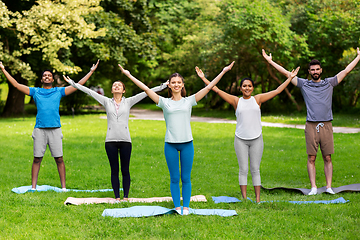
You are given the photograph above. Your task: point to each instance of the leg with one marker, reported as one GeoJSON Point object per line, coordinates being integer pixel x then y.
{"type": "Point", "coordinates": [328, 169]}
{"type": "Point", "coordinates": [125, 154]}
{"type": "Point", "coordinates": [112, 153]}
{"type": "Point", "coordinates": [242, 154]}
{"type": "Point", "coordinates": [186, 161]}
{"type": "Point", "coordinates": [256, 151]}
{"type": "Point", "coordinates": [311, 170]}
{"type": "Point", "coordinates": [35, 171]}
{"type": "Point", "coordinates": [61, 169]}
{"type": "Point", "coordinates": [172, 160]}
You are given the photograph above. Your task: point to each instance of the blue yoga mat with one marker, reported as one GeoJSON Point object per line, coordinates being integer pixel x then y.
{"type": "Point", "coordinates": [225, 199]}
{"type": "Point", "coordinates": [148, 211]}
{"type": "Point", "coordinates": [42, 188]}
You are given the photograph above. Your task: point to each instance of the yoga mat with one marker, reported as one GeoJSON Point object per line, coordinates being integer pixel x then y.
{"type": "Point", "coordinates": [42, 188]}
{"type": "Point", "coordinates": [305, 191]}
{"type": "Point", "coordinates": [148, 211]}
{"type": "Point", "coordinates": [225, 199]}
{"type": "Point", "coordinates": [79, 201]}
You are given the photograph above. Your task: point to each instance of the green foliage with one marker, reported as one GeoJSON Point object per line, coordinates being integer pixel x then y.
{"type": "Point", "coordinates": [43, 215]}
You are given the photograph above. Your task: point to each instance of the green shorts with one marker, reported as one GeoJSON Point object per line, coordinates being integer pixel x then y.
{"type": "Point", "coordinates": [319, 133]}
{"type": "Point", "coordinates": [47, 136]}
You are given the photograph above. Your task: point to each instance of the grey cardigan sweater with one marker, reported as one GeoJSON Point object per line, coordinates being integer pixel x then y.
{"type": "Point", "coordinates": [117, 123]}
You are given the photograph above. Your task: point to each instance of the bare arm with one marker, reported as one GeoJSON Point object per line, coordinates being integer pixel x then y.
{"type": "Point", "coordinates": [21, 87]}
{"type": "Point", "coordinates": [154, 96]}
{"type": "Point", "coordinates": [280, 69]}
{"type": "Point", "coordinates": [231, 99]}
{"type": "Point", "coordinates": [341, 75]}
{"type": "Point", "coordinates": [71, 89]}
{"type": "Point", "coordinates": [263, 97]}
{"type": "Point", "coordinates": [200, 94]}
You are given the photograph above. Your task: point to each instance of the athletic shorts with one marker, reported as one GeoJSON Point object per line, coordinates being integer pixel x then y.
{"type": "Point", "coordinates": [319, 133]}
{"type": "Point", "coordinates": [47, 136]}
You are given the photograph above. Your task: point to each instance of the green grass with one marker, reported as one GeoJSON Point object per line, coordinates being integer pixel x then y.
{"type": "Point", "coordinates": [43, 215]}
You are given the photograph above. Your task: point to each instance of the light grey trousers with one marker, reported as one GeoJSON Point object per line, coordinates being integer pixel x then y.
{"type": "Point", "coordinates": [253, 150]}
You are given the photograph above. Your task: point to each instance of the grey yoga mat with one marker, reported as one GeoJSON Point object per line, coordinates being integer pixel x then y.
{"type": "Point", "coordinates": [347, 188]}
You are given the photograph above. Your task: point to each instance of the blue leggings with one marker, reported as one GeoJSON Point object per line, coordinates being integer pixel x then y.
{"type": "Point", "coordinates": [186, 160]}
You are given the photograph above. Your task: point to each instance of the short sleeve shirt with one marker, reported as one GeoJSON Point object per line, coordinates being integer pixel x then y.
{"type": "Point", "coordinates": [47, 102]}
{"type": "Point", "coordinates": [318, 98]}
{"type": "Point", "coordinates": [177, 116]}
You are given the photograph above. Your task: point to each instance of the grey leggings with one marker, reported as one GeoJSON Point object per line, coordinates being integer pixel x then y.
{"type": "Point", "coordinates": [246, 149]}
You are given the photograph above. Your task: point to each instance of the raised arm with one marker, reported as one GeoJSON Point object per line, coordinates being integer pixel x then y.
{"type": "Point", "coordinates": [231, 99]}
{"type": "Point", "coordinates": [200, 94]}
{"type": "Point", "coordinates": [21, 87]}
{"type": "Point", "coordinates": [280, 69]}
{"type": "Point", "coordinates": [71, 89]}
{"type": "Point", "coordinates": [263, 97]}
{"type": "Point", "coordinates": [341, 75]}
{"type": "Point", "coordinates": [141, 85]}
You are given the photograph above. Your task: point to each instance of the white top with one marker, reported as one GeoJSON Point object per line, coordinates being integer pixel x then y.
{"type": "Point", "coordinates": [177, 116]}
{"type": "Point", "coordinates": [117, 114]}
{"type": "Point", "coordinates": [248, 119]}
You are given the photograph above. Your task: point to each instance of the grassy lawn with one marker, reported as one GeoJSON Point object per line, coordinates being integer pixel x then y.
{"type": "Point", "coordinates": [43, 215]}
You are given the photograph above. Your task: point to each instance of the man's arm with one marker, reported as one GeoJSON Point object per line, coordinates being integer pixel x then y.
{"type": "Point", "coordinates": [21, 87]}
{"type": "Point", "coordinates": [71, 89]}
{"type": "Point", "coordinates": [341, 75]}
{"type": "Point", "coordinates": [280, 69]}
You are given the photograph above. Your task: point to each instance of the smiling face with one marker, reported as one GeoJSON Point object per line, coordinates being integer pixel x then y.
{"type": "Point", "coordinates": [47, 78]}
{"type": "Point", "coordinates": [176, 84]}
{"type": "Point", "coordinates": [118, 87]}
{"type": "Point", "coordinates": [247, 88]}
{"type": "Point", "coordinates": [315, 72]}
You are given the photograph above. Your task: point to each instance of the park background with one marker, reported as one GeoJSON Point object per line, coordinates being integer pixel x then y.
{"type": "Point", "coordinates": [153, 39]}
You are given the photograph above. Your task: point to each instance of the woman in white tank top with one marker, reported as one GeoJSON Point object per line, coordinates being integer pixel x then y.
{"type": "Point", "coordinates": [248, 138]}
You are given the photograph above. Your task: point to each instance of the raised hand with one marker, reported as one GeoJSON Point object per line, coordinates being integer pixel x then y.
{"type": "Point", "coordinates": [94, 66]}
{"type": "Point", "coordinates": [1, 65]}
{"type": "Point", "coordinates": [67, 79]}
{"type": "Point", "coordinates": [294, 72]}
{"type": "Point", "coordinates": [199, 72]}
{"type": "Point", "coordinates": [125, 72]}
{"type": "Point", "coordinates": [267, 57]}
{"type": "Point", "coordinates": [228, 68]}
{"type": "Point", "coordinates": [358, 51]}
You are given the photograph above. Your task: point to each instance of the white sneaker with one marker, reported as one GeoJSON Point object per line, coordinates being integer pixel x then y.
{"type": "Point", "coordinates": [178, 211]}
{"type": "Point", "coordinates": [313, 191]}
{"type": "Point", "coordinates": [185, 211]}
{"type": "Point", "coordinates": [329, 190]}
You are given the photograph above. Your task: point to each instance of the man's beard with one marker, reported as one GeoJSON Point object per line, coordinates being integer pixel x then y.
{"type": "Point", "coordinates": [315, 76]}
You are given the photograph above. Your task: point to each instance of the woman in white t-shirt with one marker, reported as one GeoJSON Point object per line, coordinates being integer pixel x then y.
{"type": "Point", "coordinates": [248, 134]}
{"type": "Point", "coordinates": [178, 137]}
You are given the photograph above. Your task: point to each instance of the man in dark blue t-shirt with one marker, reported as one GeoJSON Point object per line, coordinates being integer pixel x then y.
{"type": "Point", "coordinates": [317, 95]}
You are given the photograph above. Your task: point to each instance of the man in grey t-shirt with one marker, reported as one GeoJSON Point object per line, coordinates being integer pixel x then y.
{"type": "Point", "coordinates": [317, 95]}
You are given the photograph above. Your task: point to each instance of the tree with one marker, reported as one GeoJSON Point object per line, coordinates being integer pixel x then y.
{"type": "Point", "coordinates": [42, 36]}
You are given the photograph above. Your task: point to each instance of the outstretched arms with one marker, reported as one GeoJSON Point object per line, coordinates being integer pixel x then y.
{"type": "Point", "coordinates": [200, 94]}
{"type": "Point", "coordinates": [141, 85]}
{"type": "Point", "coordinates": [263, 97]}
{"type": "Point", "coordinates": [282, 70]}
{"type": "Point", "coordinates": [341, 75]}
{"type": "Point", "coordinates": [233, 100]}
{"type": "Point", "coordinates": [71, 89]}
{"type": "Point", "coordinates": [21, 87]}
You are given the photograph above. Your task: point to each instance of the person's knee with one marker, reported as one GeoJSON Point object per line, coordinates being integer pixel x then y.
{"type": "Point", "coordinates": [311, 159]}
{"type": "Point", "coordinates": [327, 158]}
{"type": "Point", "coordinates": [37, 160]}
{"type": "Point", "coordinates": [59, 160]}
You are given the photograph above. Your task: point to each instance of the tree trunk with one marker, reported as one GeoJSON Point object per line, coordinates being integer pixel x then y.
{"type": "Point", "coordinates": [15, 100]}
{"type": "Point", "coordinates": [286, 90]}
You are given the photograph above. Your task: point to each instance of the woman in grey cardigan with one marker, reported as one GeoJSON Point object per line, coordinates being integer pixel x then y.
{"type": "Point", "coordinates": [118, 136]}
